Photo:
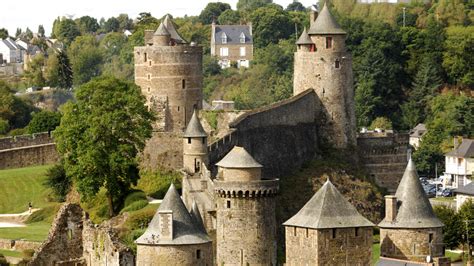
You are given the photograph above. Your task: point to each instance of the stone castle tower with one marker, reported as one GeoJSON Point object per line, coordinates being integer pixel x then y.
{"type": "Point", "coordinates": [175, 236]}
{"type": "Point", "coordinates": [410, 229]}
{"type": "Point", "coordinates": [246, 223]}
{"type": "Point", "coordinates": [323, 64]}
{"type": "Point", "coordinates": [169, 73]}
{"type": "Point", "coordinates": [194, 146]}
{"type": "Point", "coordinates": [328, 230]}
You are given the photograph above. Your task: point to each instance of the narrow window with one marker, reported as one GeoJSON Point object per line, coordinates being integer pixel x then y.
{"type": "Point", "coordinates": [333, 233]}
{"type": "Point", "coordinates": [183, 84]}
{"type": "Point", "coordinates": [189, 140]}
{"type": "Point", "coordinates": [145, 57]}
{"type": "Point", "coordinates": [149, 76]}
{"type": "Point", "coordinates": [203, 140]}
{"type": "Point", "coordinates": [294, 231]}
{"type": "Point", "coordinates": [430, 238]}
{"type": "Point", "coordinates": [148, 89]}
{"type": "Point", "coordinates": [328, 42]}
{"type": "Point", "coordinates": [307, 232]}
{"type": "Point", "coordinates": [337, 64]}
{"type": "Point", "coordinates": [198, 253]}
{"type": "Point", "coordinates": [357, 231]}
{"type": "Point", "coordinates": [178, 108]}
{"type": "Point", "coordinates": [149, 63]}
{"type": "Point", "coordinates": [242, 51]}
{"type": "Point", "coordinates": [228, 204]}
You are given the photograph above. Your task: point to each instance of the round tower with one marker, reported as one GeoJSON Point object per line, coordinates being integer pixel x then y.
{"type": "Point", "coordinates": [194, 146]}
{"type": "Point", "coordinates": [169, 73]}
{"type": "Point", "coordinates": [246, 224]}
{"type": "Point", "coordinates": [326, 67]}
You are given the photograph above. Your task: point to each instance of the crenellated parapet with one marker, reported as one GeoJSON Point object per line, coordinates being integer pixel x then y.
{"type": "Point", "coordinates": [251, 189]}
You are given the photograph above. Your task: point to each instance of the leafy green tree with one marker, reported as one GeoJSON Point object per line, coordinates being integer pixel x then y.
{"type": "Point", "coordinates": [452, 223]}
{"type": "Point", "coordinates": [295, 6]}
{"type": "Point", "coordinates": [29, 34]}
{"type": "Point", "coordinates": [34, 72]}
{"type": "Point", "coordinates": [4, 126]}
{"type": "Point", "coordinates": [210, 66]}
{"type": "Point", "coordinates": [58, 181]}
{"type": "Point", "coordinates": [365, 101]}
{"type": "Point", "coordinates": [18, 32]}
{"type": "Point", "coordinates": [44, 121]}
{"type": "Point", "coordinates": [466, 214]}
{"type": "Point", "coordinates": [450, 12]}
{"type": "Point", "coordinates": [3, 33]}
{"type": "Point", "coordinates": [229, 17]}
{"type": "Point", "coordinates": [457, 58]}
{"type": "Point", "coordinates": [87, 24]}
{"type": "Point", "coordinates": [65, 75]}
{"type": "Point", "coordinates": [86, 59]}
{"type": "Point", "coordinates": [382, 123]}
{"type": "Point", "coordinates": [14, 109]}
{"type": "Point", "coordinates": [250, 5]}
{"type": "Point", "coordinates": [270, 24]}
{"type": "Point", "coordinates": [66, 30]}
{"type": "Point", "coordinates": [125, 23]}
{"type": "Point", "coordinates": [101, 135]}
{"type": "Point", "coordinates": [41, 31]}
{"type": "Point", "coordinates": [410, 18]}
{"type": "Point", "coordinates": [111, 25]}
{"type": "Point", "coordinates": [212, 11]}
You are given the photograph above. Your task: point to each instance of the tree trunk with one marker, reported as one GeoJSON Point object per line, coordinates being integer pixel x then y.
{"type": "Point", "coordinates": [111, 205]}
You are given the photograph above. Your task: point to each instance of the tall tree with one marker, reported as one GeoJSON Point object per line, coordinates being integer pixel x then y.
{"type": "Point", "coordinates": [3, 33]}
{"type": "Point", "coordinates": [87, 24]}
{"type": "Point", "coordinates": [66, 30]}
{"type": "Point", "coordinates": [212, 11]}
{"type": "Point", "coordinates": [41, 31]}
{"type": "Point", "coordinates": [44, 121]}
{"type": "Point", "coordinates": [34, 72]}
{"type": "Point", "coordinates": [229, 17]}
{"type": "Point", "coordinates": [65, 75]}
{"type": "Point", "coordinates": [249, 5]}
{"type": "Point", "coordinates": [458, 59]}
{"type": "Point", "coordinates": [86, 59]}
{"type": "Point", "coordinates": [111, 25]}
{"type": "Point", "coordinates": [295, 6]}
{"type": "Point", "coordinates": [270, 24]}
{"type": "Point", "coordinates": [18, 32]}
{"type": "Point", "coordinates": [101, 135]}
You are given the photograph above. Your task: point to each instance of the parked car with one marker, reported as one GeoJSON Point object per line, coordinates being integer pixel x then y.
{"type": "Point", "coordinates": [447, 192]}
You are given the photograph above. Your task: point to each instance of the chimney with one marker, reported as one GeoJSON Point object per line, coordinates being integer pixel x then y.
{"type": "Point", "coordinates": [390, 208]}
{"type": "Point", "coordinates": [166, 225]}
{"type": "Point", "coordinates": [313, 15]}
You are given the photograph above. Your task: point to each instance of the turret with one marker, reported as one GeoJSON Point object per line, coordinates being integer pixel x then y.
{"type": "Point", "coordinates": [161, 37]}
{"type": "Point", "coordinates": [194, 146]}
{"type": "Point", "coordinates": [304, 43]}
{"type": "Point", "coordinates": [246, 223]}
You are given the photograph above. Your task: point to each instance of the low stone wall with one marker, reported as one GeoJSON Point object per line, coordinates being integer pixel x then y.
{"type": "Point", "coordinates": [26, 140]}
{"type": "Point", "coordinates": [18, 244]}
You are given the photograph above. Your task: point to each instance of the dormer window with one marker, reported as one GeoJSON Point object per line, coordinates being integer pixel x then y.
{"type": "Point", "coordinates": [224, 37]}
{"type": "Point", "coordinates": [242, 38]}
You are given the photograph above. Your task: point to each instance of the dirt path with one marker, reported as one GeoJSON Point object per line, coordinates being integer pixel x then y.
{"type": "Point", "coordinates": [15, 219]}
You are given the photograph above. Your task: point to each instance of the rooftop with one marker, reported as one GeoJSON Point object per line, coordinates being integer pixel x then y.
{"type": "Point", "coordinates": [466, 190]}
{"type": "Point", "coordinates": [418, 131]}
{"type": "Point", "coordinates": [464, 150]}
{"type": "Point", "coordinates": [414, 207]}
{"type": "Point", "coordinates": [162, 31]}
{"type": "Point", "coordinates": [238, 157]}
{"type": "Point", "coordinates": [194, 128]}
{"type": "Point", "coordinates": [169, 25]}
{"type": "Point", "coordinates": [233, 33]}
{"type": "Point", "coordinates": [328, 209]}
{"type": "Point", "coordinates": [304, 38]}
{"type": "Point", "coordinates": [325, 24]}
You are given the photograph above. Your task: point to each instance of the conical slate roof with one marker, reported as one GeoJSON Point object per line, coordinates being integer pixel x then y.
{"type": "Point", "coordinates": [196, 215]}
{"type": "Point", "coordinates": [194, 128]}
{"type": "Point", "coordinates": [328, 209]}
{"type": "Point", "coordinates": [325, 24]}
{"type": "Point", "coordinates": [238, 157]}
{"type": "Point", "coordinates": [304, 38]}
{"type": "Point", "coordinates": [162, 31]}
{"type": "Point", "coordinates": [414, 209]}
{"type": "Point", "coordinates": [185, 228]}
{"type": "Point", "coordinates": [172, 30]}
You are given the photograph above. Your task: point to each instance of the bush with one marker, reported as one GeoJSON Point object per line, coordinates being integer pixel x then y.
{"type": "Point", "coordinates": [58, 181]}
{"type": "Point", "coordinates": [382, 123]}
{"type": "Point", "coordinates": [18, 132]}
{"type": "Point", "coordinates": [133, 197]}
{"type": "Point", "coordinates": [28, 253]}
{"type": "Point", "coordinates": [44, 121]}
{"type": "Point", "coordinates": [46, 214]}
{"type": "Point", "coordinates": [135, 206]}
{"type": "Point", "coordinates": [155, 184]}
{"type": "Point", "coordinates": [140, 219]}
{"type": "Point", "coordinates": [4, 126]}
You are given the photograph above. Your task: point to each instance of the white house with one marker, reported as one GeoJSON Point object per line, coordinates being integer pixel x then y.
{"type": "Point", "coordinates": [232, 44]}
{"type": "Point", "coordinates": [416, 134]}
{"type": "Point", "coordinates": [12, 52]}
{"type": "Point", "coordinates": [460, 163]}
{"type": "Point", "coordinates": [463, 194]}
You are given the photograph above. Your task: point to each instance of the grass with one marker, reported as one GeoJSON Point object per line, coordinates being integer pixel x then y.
{"type": "Point", "coordinates": [155, 184]}
{"type": "Point", "coordinates": [444, 199]}
{"type": "Point", "coordinates": [23, 185]}
{"type": "Point", "coordinates": [375, 253]}
{"type": "Point", "coordinates": [36, 232]}
{"type": "Point", "coordinates": [11, 253]}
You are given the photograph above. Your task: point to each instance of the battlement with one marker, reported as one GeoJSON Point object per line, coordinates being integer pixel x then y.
{"type": "Point", "coordinates": [26, 140]}
{"type": "Point", "coordinates": [249, 189]}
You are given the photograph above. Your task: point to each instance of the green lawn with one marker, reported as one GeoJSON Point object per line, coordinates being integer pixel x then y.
{"type": "Point", "coordinates": [11, 253]}
{"type": "Point", "coordinates": [33, 232]}
{"type": "Point", "coordinates": [375, 253]}
{"type": "Point", "coordinates": [23, 185]}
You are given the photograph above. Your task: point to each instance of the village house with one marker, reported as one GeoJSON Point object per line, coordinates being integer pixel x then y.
{"type": "Point", "coordinates": [464, 193]}
{"type": "Point", "coordinates": [460, 163]}
{"type": "Point", "coordinates": [416, 134]}
{"type": "Point", "coordinates": [232, 44]}
{"type": "Point", "coordinates": [12, 52]}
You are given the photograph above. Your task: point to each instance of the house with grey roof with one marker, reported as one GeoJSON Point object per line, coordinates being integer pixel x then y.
{"type": "Point", "coordinates": [460, 163]}
{"type": "Point", "coordinates": [416, 134]}
{"type": "Point", "coordinates": [12, 52]}
{"type": "Point", "coordinates": [328, 230]}
{"type": "Point", "coordinates": [410, 230]}
{"type": "Point", "coordinates": [232, 44]}
{"type": "Point", "coordinates": [463, 194]}
{"type": "Point", "coordinates": [175, 236]}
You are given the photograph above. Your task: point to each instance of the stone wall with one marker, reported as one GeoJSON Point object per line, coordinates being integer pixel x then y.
{"type": "Point", "coordinates": [164, 150]}
{"type": "Point", "coordinates": [281, 136]}
{"type": "Point", "coordinates": [186, 255]}
{"type": "Point", "coordinates": [18, 244]}
{"type": "Point", "coordinates": [234, 51]}
{"type": "Point", "coordinates": [384, 156]}
{"type": "Point", "coordinates": [411, 244]}
{"type": "Point", "coordinates": [27, 150]}
{"type": "Point", "coordinates": [341, 246]}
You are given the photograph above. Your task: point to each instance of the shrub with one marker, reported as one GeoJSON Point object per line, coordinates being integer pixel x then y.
{"type": "Point", "coordinates": [135, 206]}
{"type": "Point", "coordinates": [28, 253]}
{"type": "Point", "coordinates": [155, 184]}
{"type": "Point", "coordinates": [58, 181]}
{"type": "Point", "coordinates": [44, 121]}
{"type": "Point", "coordinates": [133, 197]}
{"type": "Point", "coordinates": [4, 126]}
{"type": "Point", "coordinates": [17, 132]}
{"type": "Point", "coordinates": [140, 219]}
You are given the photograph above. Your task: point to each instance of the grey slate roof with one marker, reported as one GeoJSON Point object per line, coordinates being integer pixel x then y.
{"type": "Point", "coordinates": [194, 128]}
{"type": "Point", "coordinates": [414, 209]}
{"type": "Point", "coordinates": [185, 228]}
{"type": "Point", "coordinates": [465, 150]}
{"type": "Point", "coordinates": [466, 190]}
{"type": "Point", "coordinates": [169, 25]}
{"type": "Point", "coordinates": [233, 34]}
{"type": "Point", "coordinates": [162, 31]}
{"type": "Point", "coordinates": [325, 24]}
{"type": "Point", "coordinates": [418, 131]}
{"type": "Point", "coordinates": [304, 38]}
{"type": "Point", "coordinates": [328, 209]}
{"type": "Point", "coordinates": [238, 157]}
{"type": "Point", "coordinates": [196, 215]}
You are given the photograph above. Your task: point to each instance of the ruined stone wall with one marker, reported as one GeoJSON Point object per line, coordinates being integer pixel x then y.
{"type": "Point", "coordinates": [18, 244]}
{"type": "Point", "coordinates": [164, 150]}
{"type": "Point", "coordinates": [246, 229]}
{"type": "Point", "coordinates": [281, 136]}
{"type": "Point", "coordinates": [411, 244]}
{"type": "Point", "coordinates": [306, 246]}
{"type": "Point", "coordinates": [384, 156]}
{"type": "Point", "coordinates": [186, 255]}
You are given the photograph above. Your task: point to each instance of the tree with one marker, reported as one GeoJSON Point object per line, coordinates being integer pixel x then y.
{"type": "Point", "coordinates": [86, 59]}
{"type": "Point", "coordinates": [270, 24]}
{"type": "Point", "coordinates": [29, 34]}
{"type": "Point", "coordinates": [212, 11]}
{"type": "Point", "coordinates": [66, 30]}
{"type": "Point", "coordinates": [18, 32]}
{"type": "Point", "coordinates": [295, 6]}
{"type": "Point", "coordinates": [3, 33]}
{"type": "Point", "coordinates": [87, 24]}
{"type": "Point", "coordinates": [250, 5]}
{"type": "Point", "coordinates": [13, 109]}
{"type": "Point", "coordinates": [210, 66]}
{"type": "Point", "coordinates": [452, 223]}
{"type": "Point", "coordinates": [125, 23]}
{"type": "Point", "coordinates": [457, 58]}
{"type": "Point", "coordinates": [34, 72]}
{"type": "Point", "coordinates": [44, 121]}
{"type": "Point", "coordinates": [466, 215]}
{"type": "Point", "coordinates": [101, 135]}
{"type": "Point", "coordinates": [229, 17]}
{"type": "Point", "coordinates": [382, 123]}
{"type": "Point", "coordinates": [58, 181]}
{"type": "Point", "coordinates": [4, 126]}
{"type": "Point", "coordinates": [111, 25]}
